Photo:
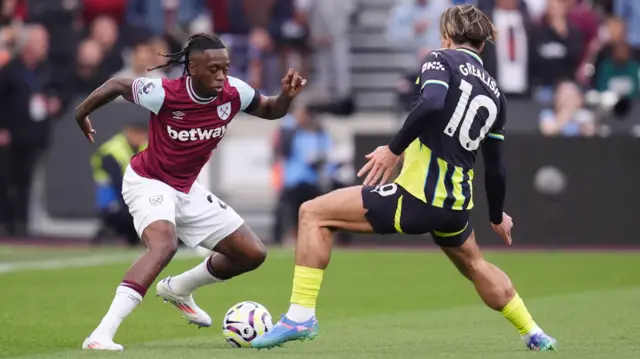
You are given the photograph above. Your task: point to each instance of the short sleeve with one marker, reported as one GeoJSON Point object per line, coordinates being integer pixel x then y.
{"type": "Point", "coordinates": [497, 130]}
{"type": "Point", "coordinates": [249, 97]}
{"type": "Point", "coordinates": [435, 72]}
{"type": "Point", "coordinates": [148, 93]}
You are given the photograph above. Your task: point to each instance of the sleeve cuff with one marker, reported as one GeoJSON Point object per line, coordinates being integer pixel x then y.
{"type": "Point", "coordinates": [496, 218]}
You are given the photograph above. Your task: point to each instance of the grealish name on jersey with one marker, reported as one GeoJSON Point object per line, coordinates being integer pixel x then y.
{"type": "Point", "coordinates": [469, 69]}
{"type": "Point", "coordinates": [438, 165]}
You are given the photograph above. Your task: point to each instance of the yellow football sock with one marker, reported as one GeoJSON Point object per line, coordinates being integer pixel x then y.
{"type": "Point", "coordinates": [518, 315]}
{"type": "Point", "coordinates": [306, 285]}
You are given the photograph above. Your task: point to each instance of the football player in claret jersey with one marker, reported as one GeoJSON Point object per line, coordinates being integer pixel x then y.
{"type": "Point", "coordinates": [458, 109]}
{"type": "Point", "coordinates": [189, 116]}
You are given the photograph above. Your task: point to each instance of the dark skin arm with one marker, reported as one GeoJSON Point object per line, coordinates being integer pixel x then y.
{"type": "Point", "coordinates": [275, 107]}
{"type": "Point", "coordinates": [109, 91]}
{"type": "Point", "coordinates": [270, 108]}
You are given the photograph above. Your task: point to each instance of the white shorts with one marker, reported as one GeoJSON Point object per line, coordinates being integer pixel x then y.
{"type": "Point", "coordinates": [200, 217]}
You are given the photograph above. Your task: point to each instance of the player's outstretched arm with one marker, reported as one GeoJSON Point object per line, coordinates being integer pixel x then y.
{"type": "Point", "coordinates": [496, 187]}
{"type": "Point", "coordinates": [275, 107]}
{"type": "Point", "coordinates": [109, 91]}
{"type": "Point", "coordinates": [495, 178]}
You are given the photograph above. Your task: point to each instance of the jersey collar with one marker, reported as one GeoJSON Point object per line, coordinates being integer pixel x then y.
{"type": "Point", "coordinates": [194, 97]}
{"type": "Point", "coordinates": [472, 54]}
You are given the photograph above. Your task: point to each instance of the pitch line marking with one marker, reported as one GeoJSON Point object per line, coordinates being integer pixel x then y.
{"type": "Point", "coordinates": [91, 261]}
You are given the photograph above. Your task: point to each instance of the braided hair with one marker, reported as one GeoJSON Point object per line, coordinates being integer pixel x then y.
{"type": "Point", "coordinates": [196, 42]}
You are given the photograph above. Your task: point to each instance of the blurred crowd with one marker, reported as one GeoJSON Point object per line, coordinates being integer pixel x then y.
{"type": "Point", "coordinates": [573, 57]}
{"type": "Point", "coordinates": [54, 51]}
{"type": "Point", "coordinates": [579, 59]}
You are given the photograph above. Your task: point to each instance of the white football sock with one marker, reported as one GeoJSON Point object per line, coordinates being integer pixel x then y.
{"type": "Point", "coordinates": [125, 300]}
{"type": "Point", "coordinates": [299, 313]}
{"type": "Point", "coordinates": [193, 279]}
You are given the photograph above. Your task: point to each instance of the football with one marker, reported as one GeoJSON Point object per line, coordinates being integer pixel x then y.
{"type": "Point", "coordinates": [244, 322]}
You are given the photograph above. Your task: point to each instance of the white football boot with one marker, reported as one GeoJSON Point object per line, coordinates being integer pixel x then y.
{"type": "Point", "coordinates": [99, 344]}
{"type": "Point", "coordinates": [184, 303]}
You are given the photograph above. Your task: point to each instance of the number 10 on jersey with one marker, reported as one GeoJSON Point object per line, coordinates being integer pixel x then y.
{"type": "Point", "coordinates": [469, 116]}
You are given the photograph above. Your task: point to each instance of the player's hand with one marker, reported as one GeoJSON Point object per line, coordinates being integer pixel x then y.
{"type": "Point", "coordinates": [380, 166]}
{"type": "Point", "coordinates": [85, 126]}
{"type": "Point", "coordinates": [504, 229]}
{"type": "Point", "coordinates": [292, 83]}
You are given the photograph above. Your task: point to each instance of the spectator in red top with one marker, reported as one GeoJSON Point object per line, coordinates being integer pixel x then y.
{"type": "Point", "coordinates": [92, 9]}
{"type": "Point", "coordinates": [582, 16]}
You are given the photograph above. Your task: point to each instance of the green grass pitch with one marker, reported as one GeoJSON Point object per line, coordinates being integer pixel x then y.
{"type": "Point", "coordinates": [373, 304]}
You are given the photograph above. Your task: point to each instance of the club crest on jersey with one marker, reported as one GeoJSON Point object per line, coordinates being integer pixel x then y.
{"type": "Point", "coordinates": [156, 200]}
{"type": "Point", "coordinates": [224, 111]}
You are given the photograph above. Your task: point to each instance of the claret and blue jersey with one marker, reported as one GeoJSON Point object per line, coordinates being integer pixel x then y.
{"type": "Point", "coordinates": [185, 128]}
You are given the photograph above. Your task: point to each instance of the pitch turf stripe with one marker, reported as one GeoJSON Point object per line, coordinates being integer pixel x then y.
{"type": "Point", "coordinates": [450, 321]}
{"type": "Point", "coordinates": [91, 261]}
{"type": "Point", "coordinates": [106, 259]}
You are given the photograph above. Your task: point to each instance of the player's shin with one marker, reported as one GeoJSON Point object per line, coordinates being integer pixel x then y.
{"type": "Point", "coordinates": [313, 250]}
{"type": "Point", "coordinates": [160, 250]}
{"type": "Point", "coordinates": [306, 286]}
{"type": "Point", "coordinates": [497, 291]}
{"type": "Point", "coordinates": [517, 314]}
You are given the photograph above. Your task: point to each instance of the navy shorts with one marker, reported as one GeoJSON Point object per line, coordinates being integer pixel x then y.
{"type": "Point", "coordinates": [391, 209]}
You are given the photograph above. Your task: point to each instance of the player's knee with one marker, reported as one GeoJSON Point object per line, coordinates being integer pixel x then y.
{"type": "Point", "coordinates": [161, 240]}
{"type": "Point", "coordinates": [309, 211]}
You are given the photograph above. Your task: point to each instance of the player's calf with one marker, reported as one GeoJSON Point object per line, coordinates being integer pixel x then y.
{"type": "Point", "coordinates": [161, 242]}
{"type": "Point", "coordinates": [341, 209]}
{"type": "Point", "coordinates": [497, 292]}
{"type": "Point", "coordinates": [238, 253]}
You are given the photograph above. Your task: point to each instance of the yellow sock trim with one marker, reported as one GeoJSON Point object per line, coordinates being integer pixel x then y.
{"type": "Point", "coordinates": [518, 315]}
{"type": "Point", "coordinates": [306, 285]}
